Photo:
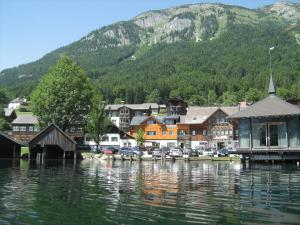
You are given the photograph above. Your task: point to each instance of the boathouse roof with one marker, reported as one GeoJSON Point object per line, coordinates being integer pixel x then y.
{"type": "Point", "coordinates": [4, 136]}
{"type": "Point", "coordinates": [53, 135]}
{"type": "Point", "coordinates": [271, 106]}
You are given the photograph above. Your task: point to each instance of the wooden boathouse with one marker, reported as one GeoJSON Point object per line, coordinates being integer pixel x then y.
{"type": "Point", "coordinates": [269, 129]}
{"type": "Point", "coordinates": [52, 143]}
{"type": "Point", "coordinates": [9, 147]}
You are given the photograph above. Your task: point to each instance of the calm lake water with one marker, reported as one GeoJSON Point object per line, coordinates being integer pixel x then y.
{"type": "Point", "coordinates": [104, 192]}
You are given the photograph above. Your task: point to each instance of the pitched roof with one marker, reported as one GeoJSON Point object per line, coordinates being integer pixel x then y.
{"type": "Point", "coordinates": [10, 139]}
{"type": "Point", "coordinates": [17, 100]}
{"type": "Point", "coordinates": [25, 119]}
{"type": "Point", "coordinates": [269, 106]}
{"type": "Point", "coordinates": [144, 106]}
{"type": "Point", "coordinates": [198, 114]}
{"type": "Point", "coordinates": [8, 112]}
{"type": "Point", "coordinates": [137, 120]}
{"type": "Point", "coordinates": [45, 130]}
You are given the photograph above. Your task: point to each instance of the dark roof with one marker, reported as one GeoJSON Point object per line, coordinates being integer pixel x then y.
{"type": "Point", "coordinates": [144, 106]}
{"type": "Point", "coordinates": [115, 129]}
{"type": "Point", "coordinates": [25, 119]}
{"type": "Point", "coordinates": [137, 120]}
{"type": "Point", "coordinates": [10, 139]}
{"type": "Point", "coordinates": [269, 106]}
{"type": "Point", "coordinates": [45, 130]}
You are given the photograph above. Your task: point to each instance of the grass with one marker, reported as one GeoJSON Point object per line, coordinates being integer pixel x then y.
{"type": "Point", "coordinates": [24, 150]}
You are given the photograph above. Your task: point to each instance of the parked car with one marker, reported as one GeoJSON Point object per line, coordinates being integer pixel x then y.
{"type": "Point", "coordinates": [200, 150]}
{"type": "Point", "coordinates": [165, 150]}
{"type": "Point", "coordinates": [156, 152]}
{"type": "Point", "coordinates": [109, 150]}
{"type": "Point", "coordinates": [208, 152]}
{"type": "Point", "coordinates": [193, 153]}
{"type": "Point", "coordinates": [223, 152]}
{"type": "Point", "coordinates": [176, 152]}
{"type": "Point", "coordinates": [187, 151]}
{"type": "Point", "coordinates": [128, 151]}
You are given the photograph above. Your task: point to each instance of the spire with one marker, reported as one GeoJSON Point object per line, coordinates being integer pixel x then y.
{"type": "Point", "coordinates": [272, 90]}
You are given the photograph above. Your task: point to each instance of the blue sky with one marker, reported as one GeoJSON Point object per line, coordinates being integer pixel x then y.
{"type": "Point", "coordinates": [31, 28]}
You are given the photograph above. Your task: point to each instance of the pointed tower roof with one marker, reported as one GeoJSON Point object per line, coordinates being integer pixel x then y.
{"type": "Point", "coordinates": [272, 90]}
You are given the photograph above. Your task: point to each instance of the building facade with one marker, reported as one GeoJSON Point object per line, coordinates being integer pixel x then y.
{"type": "Point", "coordinates": [207, 124]}
{"type": "Point", "coordinates": [122, 114]}
{"type": "Point", "coordinates": [115, 137]}
{"type": "Point", "coordinates": [24, 127]}
{"type": "Point", "coordinates": [158, 131]}
{"type": "Point", "coordinates": [269, 129]}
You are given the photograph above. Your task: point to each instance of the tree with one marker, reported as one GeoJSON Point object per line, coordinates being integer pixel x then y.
{"type": "Point", "coordinates": [211, 97]}
{"type": "Point", "coordinates": [252, 95]}
{"type": "Point", "coordinates": [196, 100]}
{"type": "Point", "coordinates": [284, 93]}
{"type": "Point", "coordinates": [98, 122]}
{"type": "Point", "coordinates": [2, 123]}
{"type": "Point", "coordinates": [154, 96]}
{"type": "Point", "coordinates": [229, 98]}
{"type": "Point", "coordinates": [140, 137]}
{"type": "Point", "coordinates": [63, 96]}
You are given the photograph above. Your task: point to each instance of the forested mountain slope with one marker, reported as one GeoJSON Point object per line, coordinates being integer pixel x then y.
{"type": "Point", "coordinates": [205, 53]}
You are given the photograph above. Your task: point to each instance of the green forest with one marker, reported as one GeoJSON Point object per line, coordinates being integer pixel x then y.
{"type": "Point", "coordinates": [220, 71]}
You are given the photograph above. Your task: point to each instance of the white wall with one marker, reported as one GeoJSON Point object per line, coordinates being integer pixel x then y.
{"type": "Point", "coordinates": [117, 119]}
{"type": "Point", "coordinates": [161, 142]}
{"type": "Point", "coordinates": [14, 105]}
{"type": "Point", "coordinates": [110, 142]}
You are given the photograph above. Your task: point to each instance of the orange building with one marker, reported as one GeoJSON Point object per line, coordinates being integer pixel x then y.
{"type": "Point", "coordinates": [161, 131]}
{"type": "Point", "coordinates": [207, 124]}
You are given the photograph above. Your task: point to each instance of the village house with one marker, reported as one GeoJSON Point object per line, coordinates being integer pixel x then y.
{"type": "Point", "coordinates": [122, 114]}
{"type": "Point", "coordinates": [16, 103]}
{"type": "Point", "coordinates": [207, 124]}
{"type": "Point", "coordinates": [158, 130]}
{"type": "Point", "coordinates": [269, 129]}
{"type": "Point", "coordinates": [24, 127]}
{"type": "Point", "coordinates": [176, 106]}
{"type": "Point", "coordinates": [115, 137]}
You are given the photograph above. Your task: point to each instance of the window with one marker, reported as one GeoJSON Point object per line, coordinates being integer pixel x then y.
{"type": "Point", "coordinates": [204, 132]}
{"type": "Point", "coordinates": [151, 122]}
{"type": "Point", "coordinates": [137, 113]}
{"type": "Point", "coordinates": [104, 138]}
{"type": "Point", "coordinates": [171, 132]}
{"type": "Point", "coordinates": [114, 139]}
{"type": "Point", "coordinates": [151, 133]}
{"type": "Point", "coordinates": [23, 128]}
{"type": "Point", "coordinates": [114, 121]}
{"type": "Point", "coordinates": [164, 132]}
{"type": "Point", "coordinates": [193, 132]}
{"type": "Point", "coordinates": [31, 128]}
{"type": "Point", "coordinates": [114, 114]}
{"type": "Point", "coordinates": [15, 128]}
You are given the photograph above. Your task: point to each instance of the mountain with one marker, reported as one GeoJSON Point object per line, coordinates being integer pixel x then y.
{"type": "Point", "coordinates": [220, 48]}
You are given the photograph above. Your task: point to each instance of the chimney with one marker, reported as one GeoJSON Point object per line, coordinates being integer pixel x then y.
{"type": "Point", "coordinates": [242, 105]}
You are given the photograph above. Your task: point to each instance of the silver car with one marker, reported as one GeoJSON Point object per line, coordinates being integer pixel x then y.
{"type": "Point", "coordinates": [176, 152]}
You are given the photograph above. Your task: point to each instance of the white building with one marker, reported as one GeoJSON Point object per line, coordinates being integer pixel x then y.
{"type": "Point", "coordinates": [16, 103]}
{"type": "Point", "coordinates": [115, 137]}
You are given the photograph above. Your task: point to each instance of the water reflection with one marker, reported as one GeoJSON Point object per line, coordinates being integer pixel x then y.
{"type": "Point", "coordinates": [116, 192]}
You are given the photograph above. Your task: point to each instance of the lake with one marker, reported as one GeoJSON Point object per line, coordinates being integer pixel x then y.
{"type": "Point", "coordinates": [106, 192]}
